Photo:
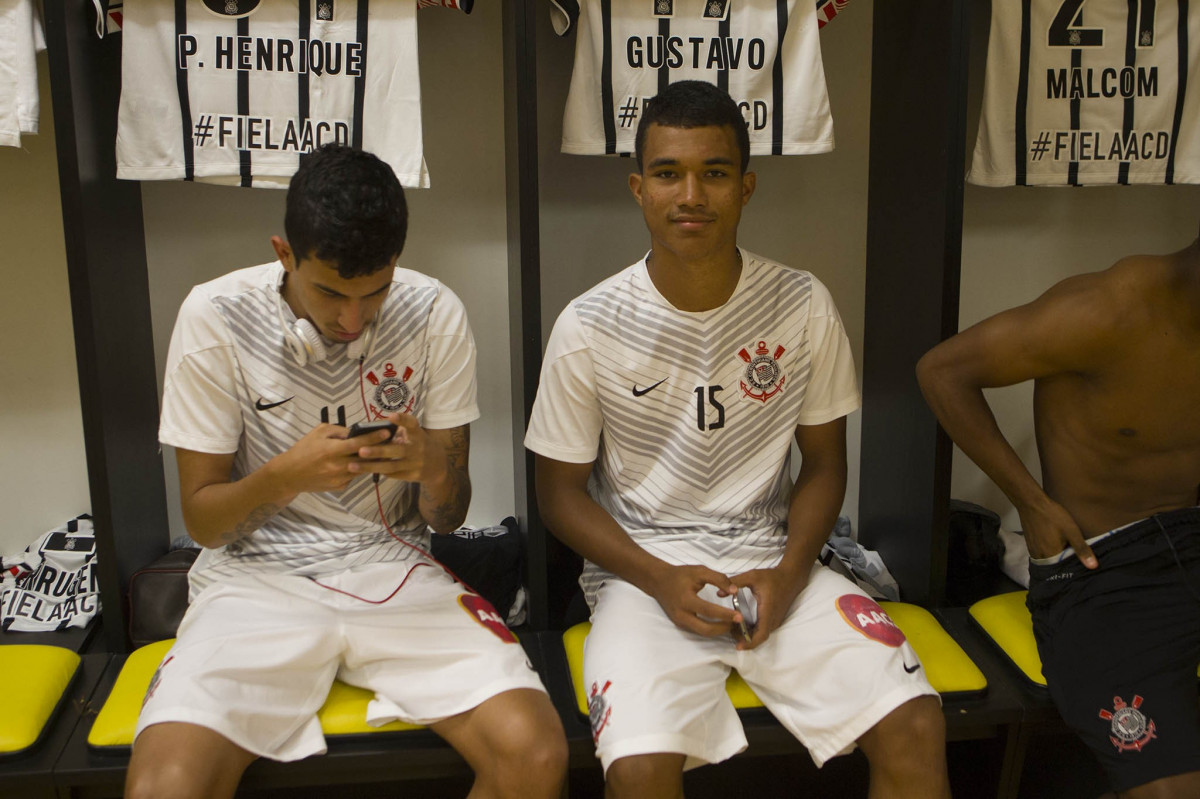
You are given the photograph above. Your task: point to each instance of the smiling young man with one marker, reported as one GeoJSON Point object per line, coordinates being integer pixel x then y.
{"type": "Point", "coordinates": [670, 396]}
{"type": "Point", "coordinates": [314, 563]}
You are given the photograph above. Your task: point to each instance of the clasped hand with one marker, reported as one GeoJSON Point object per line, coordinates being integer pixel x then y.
{"type": "Point", "coordinates": [677, 592]}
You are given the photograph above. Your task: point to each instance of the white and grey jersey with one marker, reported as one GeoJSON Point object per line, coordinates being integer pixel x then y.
{"type": "Point", "coordinates": [689, 417]}
{"type": "Point", "coordinates": [232, 386]}
{"type": "Point", "coordinates": [1090, 93]}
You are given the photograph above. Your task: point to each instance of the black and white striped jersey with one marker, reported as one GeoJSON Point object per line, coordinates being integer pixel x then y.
{"type": "Point", "coordinates": [765, 53]}
{"type": "Point", "coordinates": [232, 386]}
{"type": "Point", "coordinates": [20, 40]}
{"type": "Point", "coordinates": [234, 91]}
{"type": "Point", "coordinates": [689, 417]}
{"type": "Point", "coordinates": [1090, 92]}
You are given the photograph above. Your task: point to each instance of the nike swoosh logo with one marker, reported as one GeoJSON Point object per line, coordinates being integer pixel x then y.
{"type": "Point", "coordinates": [911, 669]}
{"type": "Point", "coordinates": [259, 405]}
{"type": "Point", "coordinates": [644, 391]}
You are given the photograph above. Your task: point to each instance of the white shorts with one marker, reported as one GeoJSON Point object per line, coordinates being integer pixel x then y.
{"type": "Point", "coordinates": [255, 655]}
{"type": "Point", "coordinates": [833, 669]}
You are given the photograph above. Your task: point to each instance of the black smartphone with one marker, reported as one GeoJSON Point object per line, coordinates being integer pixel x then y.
{"type": "Point", "coordinates": [362, 428]}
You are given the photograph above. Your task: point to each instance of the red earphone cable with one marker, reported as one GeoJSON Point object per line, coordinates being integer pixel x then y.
{"type": "Point", "coordinates": [392, 533]}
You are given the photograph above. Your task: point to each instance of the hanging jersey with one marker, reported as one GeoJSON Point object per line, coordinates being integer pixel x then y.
{"type": "Point", "coordinates": [1085, 93]}
{"type": "Point", "coordinates": [464, 6]}
{"type": "Point", "coordinates": [764, 53]}
{"type": "Point", "coordinates": [21, 39]}
{"type": "Point", "coordinates": [689, 417]}
{"type": "Point", "coordinates": [109, 16]}
{"type": "Point", "coordinates": [827, 10]}
{"type": "Point", "coordinates": [110, 13]}
{"type": "Point", "coordinates": [231, 386]}
{"type": "Point", "coordinates": [234, 91]}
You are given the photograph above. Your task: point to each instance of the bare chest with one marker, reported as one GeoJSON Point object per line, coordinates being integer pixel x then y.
{"type": "Point", "coordinates": [1145, 400]}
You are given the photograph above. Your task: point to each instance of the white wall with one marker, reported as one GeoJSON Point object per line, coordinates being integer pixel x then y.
{"type": "Point", "coordinates": [43, 478]}
{"type": "Point", "coordinates": [1019, 241]}
{"type": "Point", "coordinates": [457, 231]}
{"type": "Point", "coordinates": [809, 212]}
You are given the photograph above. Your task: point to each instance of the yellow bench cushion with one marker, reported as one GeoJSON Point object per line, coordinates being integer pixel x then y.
{"type": "Point", "coordinates": [1007, 622]}
{"type": "Point", "coordinates": [947, 667]}
{"type": "Point", "coordinates": [35, 679]}
{"type": "Point", "coordinates": [344, 711]}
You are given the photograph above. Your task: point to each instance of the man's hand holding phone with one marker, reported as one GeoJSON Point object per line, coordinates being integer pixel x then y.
{"type": "Point", "coordinates": [408, 453]}
{"type": "Point", "coordinates": [324, 459]}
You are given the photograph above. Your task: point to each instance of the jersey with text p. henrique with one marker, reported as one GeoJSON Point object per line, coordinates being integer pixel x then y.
{"type": "Point", "coordinates": [232, 386]}
{"type": "Point", "coordinates": [235, 91]}
{"type": "Point", "coordinates": [1090, 92]}
{"type": "Point", "coordinates": [765, 53]}
{"type": "Point", "coordinates": [689, 417]}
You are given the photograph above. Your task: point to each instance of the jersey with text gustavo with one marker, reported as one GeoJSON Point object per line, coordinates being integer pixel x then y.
{"type": "Point", "coordinates": [689, 417]}
{"type": "Point", "coordinates": [235, 92]}
{"type": "Point", "coordinates": [232, 386]}
{"type": "Point", "coordinates": [765, 53]}
{"type": "Point", "coordinates": [1087, 92]}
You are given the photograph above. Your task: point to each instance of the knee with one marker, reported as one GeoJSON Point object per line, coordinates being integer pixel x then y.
{"type": "Point", "coordinates": [916, 726]}
{"type": "Point", "coordinates": [162, 780]}
{"type": "Point", "coordinates": [923, 721]}
{"type": "Point", "coordinates": [644, 775]}
{"type": "Point", "coordinates": [532, 751]}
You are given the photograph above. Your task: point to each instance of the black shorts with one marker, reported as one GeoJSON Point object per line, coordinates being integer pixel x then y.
{"type": "Point", "coordinates": [1120, 646]}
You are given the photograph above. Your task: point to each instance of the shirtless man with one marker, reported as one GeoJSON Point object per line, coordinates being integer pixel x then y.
{"type": "Point", "coordinates": [1113, 531]}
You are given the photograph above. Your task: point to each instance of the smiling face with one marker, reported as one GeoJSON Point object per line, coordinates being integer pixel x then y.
{"type": "Point", "coordinates": [340, 308]}
{"type": "Point", "coordinates": [691, 189]}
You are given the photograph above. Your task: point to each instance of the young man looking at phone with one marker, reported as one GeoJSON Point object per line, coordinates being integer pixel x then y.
{"type": "Point", "coordinates": [314, 564]}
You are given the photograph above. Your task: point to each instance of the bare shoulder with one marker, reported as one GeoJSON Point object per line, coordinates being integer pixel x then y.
{"type": "Point", "coordinates": [1071, 328]}
{"type": "Point", "coordinates": [1111, 301]}
{"type": "Point", "coordinates": [1140, 288]}
{"type": "Point", "coordinates": [1141, 276]}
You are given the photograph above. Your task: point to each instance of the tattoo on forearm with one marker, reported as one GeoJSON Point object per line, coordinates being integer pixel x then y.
{"type": "Point", "coordinates": [447, 510]}
{"type": "Point", "coordinates": [254, 520]}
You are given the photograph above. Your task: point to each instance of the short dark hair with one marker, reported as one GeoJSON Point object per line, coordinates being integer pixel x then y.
{"type": "Point", "coordinates": [346, 206]}
{"type": "Point", "coordinates": [693, 104]}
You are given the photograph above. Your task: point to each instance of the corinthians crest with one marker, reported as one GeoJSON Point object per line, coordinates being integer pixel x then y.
{"type": "Point", "coordinates": [392, 393]}
{"type": "Point", "coordinates": [763, 377]}
{"type": "Point", "coordinates": [716, 9]}
{"type": "Point", "coordinates": [598, 709]}
{"type": "Point", "coordinates": [1131, 730]}
{"type": "Point", "coordinates": [232, 8]}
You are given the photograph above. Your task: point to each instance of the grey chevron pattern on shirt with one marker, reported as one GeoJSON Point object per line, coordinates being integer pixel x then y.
{"type": "Point", "coordinates": [319, 532]}
{"type": "Point", "coordinates": [697, 470]}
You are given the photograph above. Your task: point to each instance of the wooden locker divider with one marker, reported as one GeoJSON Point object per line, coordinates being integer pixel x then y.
{"type": "Point", "coordinates": [110, 305]}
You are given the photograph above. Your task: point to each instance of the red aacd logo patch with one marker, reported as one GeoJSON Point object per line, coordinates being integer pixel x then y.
{"type": "Point", "coordinates": [483, 612]}
{"type": "Point", "coordinates": [864, 614]}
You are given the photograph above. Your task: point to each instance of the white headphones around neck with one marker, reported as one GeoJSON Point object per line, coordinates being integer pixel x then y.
{"type": "Point", "coordinates": [305, 344]}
